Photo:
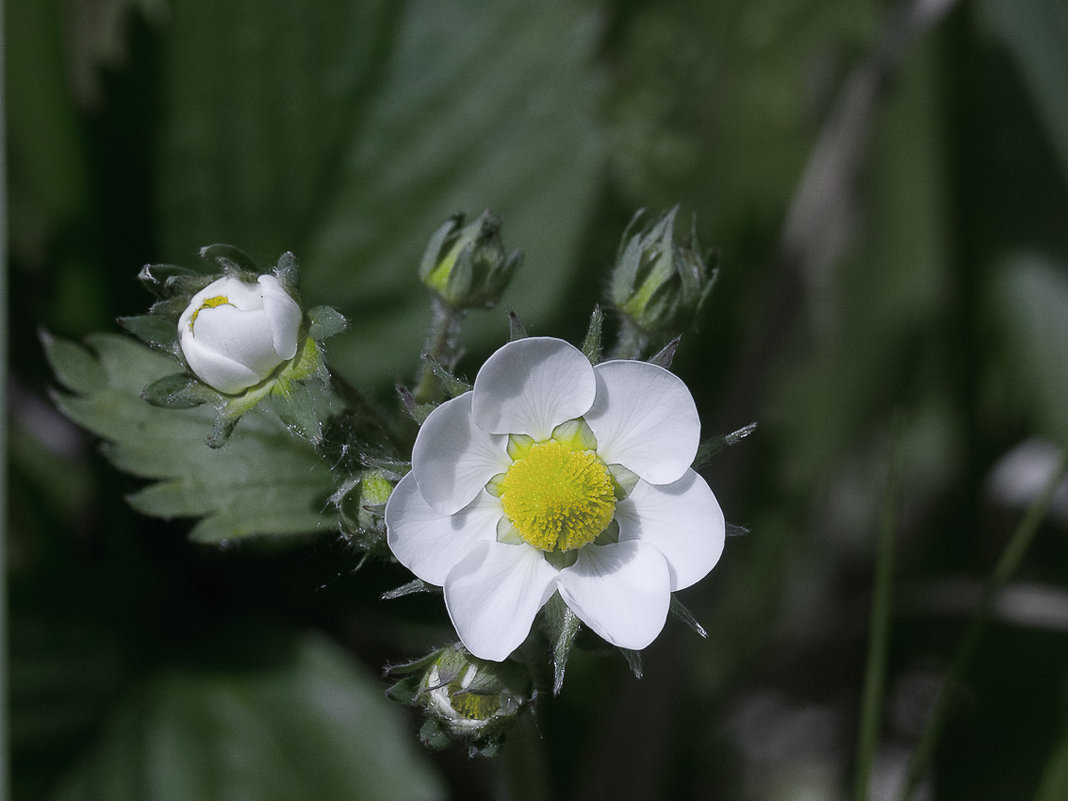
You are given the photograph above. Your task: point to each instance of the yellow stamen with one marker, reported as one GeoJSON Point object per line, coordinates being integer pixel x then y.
{"type": "Point", "coordinates": [558, 498]}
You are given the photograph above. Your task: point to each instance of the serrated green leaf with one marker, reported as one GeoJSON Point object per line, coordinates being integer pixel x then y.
{"type": "Point", "coordinates": [314, 727]}
{"type": "Point", "coordinates": [73, 365]}
{"type": "Point", "coordinates": [264, 481]}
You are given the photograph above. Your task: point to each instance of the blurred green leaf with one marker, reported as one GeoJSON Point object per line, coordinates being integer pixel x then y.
{"type": "Point", "coordinates": [474, 111]}
{"type": "Point", "coordinates": [717, 104]}
{"type": "Point", "coordinates": [62, 674]}
{"type": "Point", "coordinates": [265, 481]}
{"type": "Point", "coordinates": [353, 141]}
{"type": "Point", "coordinates": [1036, 34]}
{"type": "Point", "coordinates": [1031, 295]}
{"type": "Point", "coordinates": [314, 727]}
{"type": "Point", "coordinates": [1054, 784]}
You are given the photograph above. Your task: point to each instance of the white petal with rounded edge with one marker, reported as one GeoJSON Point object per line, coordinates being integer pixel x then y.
{"type": "Point", "coordinates": [531, 385]}
{"type": "Point", "coordinates": [645, 419]}
{"type": "Point", "coordinates": [283, 316]}
{"type": "Point", "coordinates": [428, 542]}
{"type": "Point", "coordinates": [493, 594]}
{"type": "Point", "coordinates": [453, 458]}
{"type": "Point", "coordinates": [682, 520]}
{"type": "Point", "coordinates": [243, 336]}
{"type": "Point", "coordinates": [621, 591]}
{"type": "Point", "coordinates": [216, 370]}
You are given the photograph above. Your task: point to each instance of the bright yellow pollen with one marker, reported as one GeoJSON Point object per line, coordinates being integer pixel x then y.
{"type": "Point", "coordinates": [558, 498]}
{"type": "Point", "coordinates": [210, 303]}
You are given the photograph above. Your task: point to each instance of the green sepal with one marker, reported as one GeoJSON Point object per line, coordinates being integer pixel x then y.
{"type": "Point", "coordinates": [325, 322]}
{"type": "Point", "coordinates": [434, 736]}
{"type": "Point", "coordinates": [710, 447]}
{"type": "Point", "coordinates": [406, 691]}
{"type": "Point", "coordinates": [411, 588]}
{"type": "Point", "coordinates": [220, 432]}
{"type": "Point", "coordinates": [453, 386]}
{"type": "Point", "coordinates": [634, 661]}
{"type": "Point", "coordinates": [563, 625]}
{"type": "Point", "coordinates": [593, 344]}
{"type": "Point", "coordinates": [163, 280]}
{"type": "Point", "coordinates": [301, 404]}
{"type": "Point", "coordinates": [178, 391]}
{"type": "Point", "coordinates": [686, 616]}
{"type": "Point", "coordinates": [287, 270]}
{"type": "Point", "coordinates": [415, 410]}
{"type": "Point", "coordinates": [666, 355]}
{"type": "Point", "coordinates": [153, 329]}
{"type": "Point", "coordinates": [516, 329]}
{"type": "Point", "coordinates": [230, 259]}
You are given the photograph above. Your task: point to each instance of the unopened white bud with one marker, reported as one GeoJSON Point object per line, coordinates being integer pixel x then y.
{"type": "Point", "coordinates": [235, 334]}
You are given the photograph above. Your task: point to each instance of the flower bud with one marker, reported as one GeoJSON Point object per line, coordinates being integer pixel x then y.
{"type": "Point", "coordinates": [467, 265]}
{"type": "Point", "coordinates": [465, 698]}
{"type": "Point", "coordinates": [660, 284]}
{"type": "Point", "coordinates": [361, 502]}
{"type": "Point", "coordinates": [235, 334]}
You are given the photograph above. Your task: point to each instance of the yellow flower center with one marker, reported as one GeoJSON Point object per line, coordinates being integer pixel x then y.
{"type": "Point", "coordinates": [558, 498]}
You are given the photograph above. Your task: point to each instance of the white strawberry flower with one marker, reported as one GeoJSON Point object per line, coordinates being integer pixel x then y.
{"type": "Point", "coordinates": [235, 334]}
{"type": "Point", "coordinates": [553, 475]}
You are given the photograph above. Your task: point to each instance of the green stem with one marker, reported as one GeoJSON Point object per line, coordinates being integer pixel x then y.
{"type": "Point", "coordinates": [878, 645]}
{"type": "Point", "coordinates": [1007, 564]}
{"type": "Point", "coordinates": [441, 345]}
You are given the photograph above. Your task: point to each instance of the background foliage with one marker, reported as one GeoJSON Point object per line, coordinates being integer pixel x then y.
{"type": "Point", "coordinates": [888, 185]}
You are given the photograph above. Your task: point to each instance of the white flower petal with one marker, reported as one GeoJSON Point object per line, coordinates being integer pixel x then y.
{"type": "Point", "coordinates": [493, 594]}
{"type": "Point", "coordinates": [645, 419]}
{"type": "Point", "coordinates": [531, 385]}
{"type": "Point", "coordinates": [243, 336]}
{"type": "Point", "coordinates": [453, 458]}
{"type": "Point", "coordinates": [428, 542]}
{"type": "Point", "coordinates": [283, 315]}
{"type": "Point", "coordinates": [215, 369]}
{"type": "Point", "coordinates": [682, 520]}
{"type": "Point", "coordinates": [621, 591]}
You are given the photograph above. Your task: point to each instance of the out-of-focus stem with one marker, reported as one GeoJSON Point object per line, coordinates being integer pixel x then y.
{"type": "Point", "coordinates": [441, 342]}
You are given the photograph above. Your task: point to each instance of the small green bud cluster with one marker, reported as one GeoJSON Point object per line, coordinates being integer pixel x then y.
{"type": "Point", "coordinates": [466, 265]}
{"type": "Point", "coordinates": [658, 283]}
